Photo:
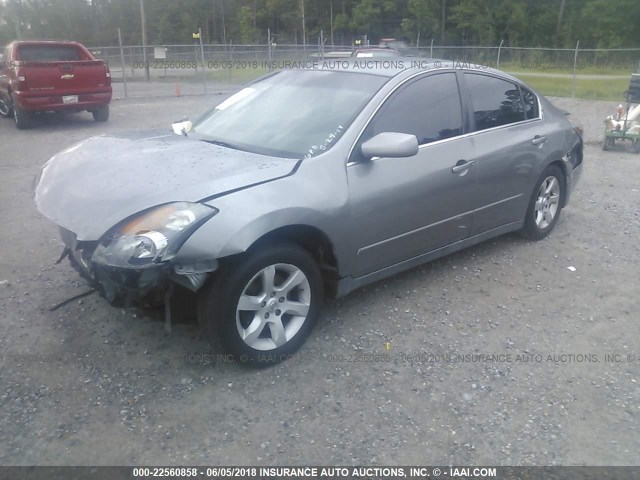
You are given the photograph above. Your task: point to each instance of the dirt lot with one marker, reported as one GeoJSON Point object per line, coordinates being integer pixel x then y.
{"type": "Point", "coordinates": [93, 384]}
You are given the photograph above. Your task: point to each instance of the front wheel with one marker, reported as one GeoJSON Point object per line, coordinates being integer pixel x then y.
{"type": "Point", "coordinates": [545, 204]}
{"type": "Point", "coordinates": [264, 305]}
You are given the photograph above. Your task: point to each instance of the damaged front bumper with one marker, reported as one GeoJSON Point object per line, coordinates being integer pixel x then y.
{"type": "Point", "coordinates": [120, 285]}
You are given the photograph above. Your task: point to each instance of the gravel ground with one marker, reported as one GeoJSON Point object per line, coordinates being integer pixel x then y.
{"type": "Point", "coordinates": [94, 384]}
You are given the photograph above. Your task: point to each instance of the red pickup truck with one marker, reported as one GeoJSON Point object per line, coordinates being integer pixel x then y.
{"type": "Point", "coordinates": [39, 76]}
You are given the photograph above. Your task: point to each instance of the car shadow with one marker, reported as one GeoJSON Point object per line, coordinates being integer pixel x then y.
{"type": "Point", "coordinates": [63, 121]}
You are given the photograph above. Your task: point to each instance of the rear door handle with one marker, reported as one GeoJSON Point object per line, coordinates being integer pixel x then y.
{"type": "Point", "coordinates": [463, 165]}
{"type": "Point", "coordinates": [538, 140]}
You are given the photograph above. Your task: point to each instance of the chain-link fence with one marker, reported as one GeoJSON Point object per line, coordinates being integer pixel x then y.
{"type": "Point", "coordinates": [168, 70]}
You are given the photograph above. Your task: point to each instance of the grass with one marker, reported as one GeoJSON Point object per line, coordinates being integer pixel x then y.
{"type": "Point", "coordinates": [585, 88]}
{"type": "Point", "coordinates": [591, 89]}
{"type": "Point", "coordinates": [616, 69]}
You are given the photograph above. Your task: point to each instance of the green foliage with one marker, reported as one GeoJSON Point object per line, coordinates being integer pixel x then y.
{"type": "Point", "coordinates": [596, 23]}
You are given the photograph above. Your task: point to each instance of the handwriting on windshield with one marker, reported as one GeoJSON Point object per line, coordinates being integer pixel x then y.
{"type": "Point", "coordinates": [324, 145]}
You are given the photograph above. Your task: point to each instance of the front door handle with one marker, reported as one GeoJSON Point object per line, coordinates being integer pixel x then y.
{"type": "Point", "coordinates": [538, 140]}
{"type": "Point", "coordinates": [463, 165]}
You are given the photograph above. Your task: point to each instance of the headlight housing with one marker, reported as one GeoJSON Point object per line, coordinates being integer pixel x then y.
{"type": "Point", "coordinates": [153, 236]}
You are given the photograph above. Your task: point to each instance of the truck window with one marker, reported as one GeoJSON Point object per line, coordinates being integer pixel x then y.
{"type": "Point", "coordinates": [48, 53]}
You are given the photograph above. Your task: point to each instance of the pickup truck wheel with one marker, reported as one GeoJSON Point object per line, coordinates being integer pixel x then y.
{"type": "Point", "coordinates": [101, 114]}
{"type": "Point", "coordinates": [264, 305]}
{"type": "Point", "coordinates": [23, 118]}
{"type": "Point", "coordinates": [5, 108]}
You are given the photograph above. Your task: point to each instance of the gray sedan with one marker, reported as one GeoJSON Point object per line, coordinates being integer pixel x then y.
{"type": "Point", "coordinates": [310, 184]}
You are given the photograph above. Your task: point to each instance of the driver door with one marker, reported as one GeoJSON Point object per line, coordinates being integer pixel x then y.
{"type": "Point", "coordinates": [403, 207]}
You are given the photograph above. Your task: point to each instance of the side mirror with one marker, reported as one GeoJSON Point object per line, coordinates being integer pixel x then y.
{"type": "Point", "coordinates": [182, 127]}
{"type": "Point", "coordinates": [391, 145]}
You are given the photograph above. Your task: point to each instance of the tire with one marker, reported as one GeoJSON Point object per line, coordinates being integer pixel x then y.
{"type": "Point", "coordinates": [545, 205]}
{"type": "Point", "coordinates": [23, 119]}
{"type": "Point", "coordinates": [250, 334]}
{"type": "Point", "coordinates": [101, 114]}
{"type": "Point", "coordinates": [5, 108]}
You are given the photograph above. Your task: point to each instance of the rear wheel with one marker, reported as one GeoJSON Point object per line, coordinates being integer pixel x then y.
{"type": "Point", "coordinates": [5, 108]}
{"type": "Point", "coordinates": [101, 114]}
{"type": "Point", "coordinates": [545, 204]}
{"type": "Point", "coordinates": [23, 118]}
{"type": "Point", "coordinates": [264, 306]}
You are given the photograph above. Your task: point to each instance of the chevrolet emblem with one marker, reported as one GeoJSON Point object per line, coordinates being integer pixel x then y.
{"type": "Point", "coordinates": [68, 76]}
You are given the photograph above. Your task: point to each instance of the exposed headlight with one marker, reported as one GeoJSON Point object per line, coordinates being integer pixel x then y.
{"type": "Point", "coordinates": [153, 236]}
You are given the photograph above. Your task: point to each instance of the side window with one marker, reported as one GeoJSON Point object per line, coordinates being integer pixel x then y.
{"type": "Point", "coordinates": [530, 103]}
{"type": "Point", "coordinates": [428, 108]}
{"type": "Point", "coordinates": [495, 102]}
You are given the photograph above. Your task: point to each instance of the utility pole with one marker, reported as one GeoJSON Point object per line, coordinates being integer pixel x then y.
{"type": "Point", "coordinates": [331, 12]}
{"type": "Point", "coordinates": [144, 40]}
{"type": "Point", "coordinates": [18, 21]}
{"type": "Point", "coordinates": [304, 28]}
{"type": "Point", "coordinates": [560, 15]}
{"type": "Point", "coordinates": [224, 27]}
{"type": "Point", "coordinates": [444, 7]}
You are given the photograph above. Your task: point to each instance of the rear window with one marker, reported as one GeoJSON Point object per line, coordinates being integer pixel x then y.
{"type": "Point", "coordinates": [48, 53]}
{"type": "Point", "coordinates": [495, 101]}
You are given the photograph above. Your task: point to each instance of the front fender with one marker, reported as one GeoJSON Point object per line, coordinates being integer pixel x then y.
{"type": "Point", "coordinates": [246, 216]}
{"type": "Point", "coordinates": [219, 238]}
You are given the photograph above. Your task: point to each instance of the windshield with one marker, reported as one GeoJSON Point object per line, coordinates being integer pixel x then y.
{"type": "Point", "coordinates": [293, 114]}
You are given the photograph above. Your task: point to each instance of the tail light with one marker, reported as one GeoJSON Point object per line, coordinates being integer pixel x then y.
{"type": "Point", "coordinates": [21, 79]}
{"type": "Point", "coordinates": [107, 74]}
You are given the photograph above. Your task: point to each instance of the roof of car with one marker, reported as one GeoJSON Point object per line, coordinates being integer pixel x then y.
{"type": "Point", "coordinates": [375, 48]}
{"type": "Point", "coordinates": [43, 42]}
{"type": "Point", "coordinates": [393, 66]}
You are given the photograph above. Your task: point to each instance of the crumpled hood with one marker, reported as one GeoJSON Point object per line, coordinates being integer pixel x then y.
{"type": "Point", "coordinates": [91, 186]}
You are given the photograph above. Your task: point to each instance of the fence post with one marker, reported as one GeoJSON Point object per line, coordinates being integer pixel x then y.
{"type": "Point", "coordinates": [269, 51]}
{"type": "Point", "coordinates": [499, 50]}
{"type": "Point", "coordinates": [204, 67]}
{"type": "Point", "coordinates": [575, 61]}
{"type": "Point", "coordinates": [230, 70]}
{"type": "Point", "coordinates": [132, 58]}
{"type": "Point", "coordinates": [124, 73]}
{"type": "Point", "coordinates": [431, 49]}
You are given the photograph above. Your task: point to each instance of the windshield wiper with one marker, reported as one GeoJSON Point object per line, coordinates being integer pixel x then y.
{"type": "Point", "coordinates": [224, 144]}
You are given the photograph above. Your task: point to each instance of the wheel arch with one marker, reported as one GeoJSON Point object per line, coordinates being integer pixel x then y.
{"type": "Point", "coordinates": [315, 242]}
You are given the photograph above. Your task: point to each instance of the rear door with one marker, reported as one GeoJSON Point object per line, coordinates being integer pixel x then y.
{"type": "Point", "coordinates": [60, 69]}
{"type": "Point", "coordinates": [509, 142]}
{"type": "Point", "coordinates": [403, 207]}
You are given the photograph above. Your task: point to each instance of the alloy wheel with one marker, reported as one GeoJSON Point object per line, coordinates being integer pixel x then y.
{"type": "Point", "coordinates": [547, 203]}
{"type": "Point", "coordinates": [273, 306]}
